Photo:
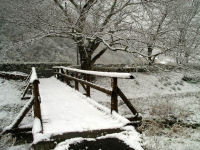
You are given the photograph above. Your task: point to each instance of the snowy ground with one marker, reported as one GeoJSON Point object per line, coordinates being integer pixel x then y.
{"type": "Point", "coordinates": [162, 98]}
{"type": "Point", "coordinates": [10, 105]}
{"type": "Point", "coordinates": [66, 110]}
{"type": "Point", "coordinates": [10, 101]}
{"type": "Point", "coordinates": [170, 106]}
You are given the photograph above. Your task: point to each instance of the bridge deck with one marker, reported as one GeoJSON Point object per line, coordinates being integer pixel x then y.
{"type": "Point", "coordinates": [65, 110]}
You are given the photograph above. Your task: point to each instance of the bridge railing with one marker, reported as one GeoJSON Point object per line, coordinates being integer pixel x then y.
{"type": "Point", "coordinates": [64, 74]}
{"type": "Point", "coordinates": [36, 96]}
{"type": "Point", "coordinates": [32, 82]}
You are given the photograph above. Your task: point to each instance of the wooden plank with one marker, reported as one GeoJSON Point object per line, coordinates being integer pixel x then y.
{"type": "Point", "coordinates": [104, 90]}
{"type": "Point", "coordinates": [76, 82]}
{"type": "Point", "coordinates": [29, 76]}
{"type": "Point", "coordinates": [67, 81]}
{"type": "Point", "coordinates": [88, 87]}
{"type": "Point", "coordinates": [114, 101]}
{"type": "Point", "coordinates": [18, 130]}
{"type": "Point", "coordinates": [62, 71]}
{"type": "Point", "coordinates": [37, 109]}
{"type": "Point", "coordinates": [26, 90]}
{"type": "Point", "coordinates": [20, 116]}
{"type": "Point", "coordinates": [127, 102]}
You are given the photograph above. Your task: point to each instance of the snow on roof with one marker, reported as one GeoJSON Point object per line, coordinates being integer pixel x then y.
{"type": "Point", "coordinates": [98, 73]}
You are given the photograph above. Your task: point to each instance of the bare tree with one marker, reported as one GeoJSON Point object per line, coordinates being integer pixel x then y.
{"type": "Point", "coordinates": [153, 29]}
{"type": "Point", "coordinates": [94, 25]}
{"type": "Point", "coordinates": [188, 27]}
{"type": "Point", "coordinates": [146, 28]}
{"type": "Point", "coordinates": [97, 24]}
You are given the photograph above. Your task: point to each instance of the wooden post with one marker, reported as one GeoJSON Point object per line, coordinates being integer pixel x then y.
{"type": "Point", "coordinates": [76, 82]}
{"type": "Point", "coordinates": [88, 87]}
{"type": "Point", "coordinates": [57, 70]}
{"type": "Point", "coordinates": [62, 71]}
{"type": "Point", "coordinates": [54, 70]}
{"type": "Point", "coordinates": [114, 101]}
{"type": "Point", "coordinates": [37, 110]}
{"type": "Point", "coordinates": [67, 81]}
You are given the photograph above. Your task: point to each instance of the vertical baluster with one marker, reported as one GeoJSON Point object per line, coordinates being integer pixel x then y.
{"type": "Point", "coordinates": [88, 87]}
{"type": "Point", "coordinates": [76, 82]}
{"type": "Point", "coordinates": [37, 109]}
{"type": "Point", "coordinates": [114, 101]}
{"type": "Point", "coordinates": [67, 81]}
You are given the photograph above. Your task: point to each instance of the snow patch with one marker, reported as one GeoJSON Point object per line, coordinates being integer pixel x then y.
{"type": "Point", "coordinates": [33, 75]}
{"type": "Point", "coordinates": [37, 126]}
{"type": "Point", "coordinates": [37, 132]}
{"type": "Point", "coordinates": [129, 137]}
{"type": "Point", "coordinates": [66, 144]}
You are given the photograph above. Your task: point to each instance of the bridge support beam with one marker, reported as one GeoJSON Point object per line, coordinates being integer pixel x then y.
{"type": "Point", "coordinates": [37, 110]}
{"type": "Point", "coordinates": [114, 101]}
{"type": "Point", "coordinates": [76, 82]}
{"type": "Point", "coordinates": [88, 87]}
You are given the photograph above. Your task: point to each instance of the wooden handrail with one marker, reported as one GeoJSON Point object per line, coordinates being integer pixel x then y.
{"type": "Point", "coordinates": [33, 81]}
{"type": "Point", "coordinates": [98, 73]}
{"type": "Point", "coordinates": [36, 96]}
{"type": "Point", "coordinates": [97, 87]}
{"type": "Point", "coordinates": [64, 73]}
{"type": "Point", "coordinates": [32, 77]}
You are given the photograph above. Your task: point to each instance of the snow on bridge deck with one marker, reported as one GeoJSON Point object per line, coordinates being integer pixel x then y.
{"type": "Point", "coordinates": [65, 110]}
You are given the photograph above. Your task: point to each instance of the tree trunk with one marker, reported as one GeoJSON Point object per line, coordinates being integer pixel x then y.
{"type": "Point", "coordinates": [149, 53]}
{"type": "Point", "coordinates": [85, 58]}
{"type": "Point", "coordinates": [186, 57]}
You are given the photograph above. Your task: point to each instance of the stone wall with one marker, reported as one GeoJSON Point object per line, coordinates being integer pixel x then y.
{"type": "Point", "coordinates": [43, 69]}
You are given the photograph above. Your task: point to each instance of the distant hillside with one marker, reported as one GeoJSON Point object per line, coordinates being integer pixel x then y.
{"type": "Point", "coordinates": [57, 50]}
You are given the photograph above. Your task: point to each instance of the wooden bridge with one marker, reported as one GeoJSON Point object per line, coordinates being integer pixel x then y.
{"type": "Point", "coordinates": [61, 112]}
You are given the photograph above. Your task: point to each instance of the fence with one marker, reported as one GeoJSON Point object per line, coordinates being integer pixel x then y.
{"type": "Point", "coordinates": [64, 74]}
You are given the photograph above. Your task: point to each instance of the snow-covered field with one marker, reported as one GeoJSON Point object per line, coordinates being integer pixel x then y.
{"type": "Point", "coordinates": [10, 105]}
{"type": "Point", "coordinates": [170, 108]}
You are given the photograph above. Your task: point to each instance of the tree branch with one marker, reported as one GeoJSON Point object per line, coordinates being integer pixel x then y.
{"type": "Point", "coordinates": [75, 4]}
{"type": "Point", "coordinates": [83, 14]}
{"type": "Point", "coordinates": [97, 56]}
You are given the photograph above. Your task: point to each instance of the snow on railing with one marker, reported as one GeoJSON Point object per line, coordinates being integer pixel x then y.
{"type": "Point", "coordinates": [33, 76]}
{"type": "Point", "coordinates": [99, 73]}
{"type": "Point", "coordinates": [37, 126]}
{"type": "Point", "coordinates": [32, 83]}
